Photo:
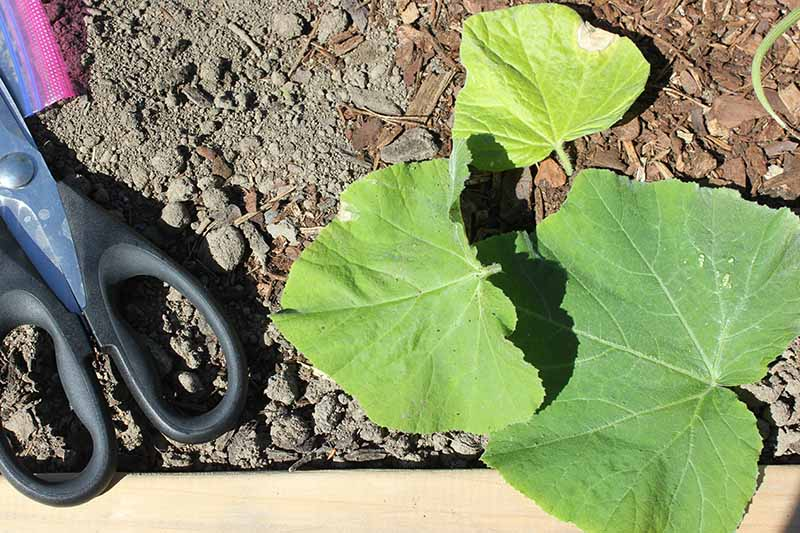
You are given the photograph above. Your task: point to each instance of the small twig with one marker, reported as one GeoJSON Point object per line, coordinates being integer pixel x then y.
{"type": "Point", "coordinates": [309, 457]}
{"type": "Point", "coordinates": [276, 277]}
{"type": "Point", "coordinates": [719, 142]}
{"type": "Point", "coordinates": [281, 196]}
{"type": "Point", "coordinates": [434, 12]}
{"type": "Point", "coordinates": [677, 94]}
{"type": "Point", "coordinates": [304, 48]}
{"type": "Point", "coordinates": [246, 39]}
{"type": "Point", "coordinates": [312, 230]}
{"type": "Point", "coordinates": [244, 218]}
{"type": "Point", "coordinates": [665, 172]}
{"type": "Point", "coordinates": [413, 120]}
{"type": "Point", "coordinates": [440, 51]}
{"type": "Point", "coordinates": [353, 159]}
{"type": "Point", "coordinates": [630, 151]}
{"type": "Point", "coordinates": [333, 58]}
{"type": "Point", "coordinates": [167, 14]}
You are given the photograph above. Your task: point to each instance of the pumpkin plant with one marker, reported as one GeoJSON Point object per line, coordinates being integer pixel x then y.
{"type": "Point", "coordinates": [598, 352]}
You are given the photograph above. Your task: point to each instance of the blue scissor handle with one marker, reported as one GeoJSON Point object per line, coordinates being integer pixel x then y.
{"type": "Point", "coordinates": [25, 299]}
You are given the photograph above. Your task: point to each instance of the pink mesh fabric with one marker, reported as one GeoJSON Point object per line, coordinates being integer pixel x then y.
{"type": "Point", "coordinates": [48, 71]}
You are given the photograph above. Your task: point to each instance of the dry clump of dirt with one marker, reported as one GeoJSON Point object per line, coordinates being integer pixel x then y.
{"type": "Point", "coordinates": [225, 131]}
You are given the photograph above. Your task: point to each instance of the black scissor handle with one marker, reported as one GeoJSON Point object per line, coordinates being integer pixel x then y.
{"type": "Point", "coordinates": [110, 253]}
{"type": "Point", "coordinates": [25, 300]}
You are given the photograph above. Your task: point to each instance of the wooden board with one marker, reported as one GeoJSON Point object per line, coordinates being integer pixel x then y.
{"type": "Point", "coordinates": [351, 501]}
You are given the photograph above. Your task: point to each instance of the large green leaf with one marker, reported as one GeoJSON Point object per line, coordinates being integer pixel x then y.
{"type": "Point", "coordinates": [391, 302]}
{"type": "Point", "coordinates": [676, 294]}
{"type": "Point", "coordinates": [537, 76]}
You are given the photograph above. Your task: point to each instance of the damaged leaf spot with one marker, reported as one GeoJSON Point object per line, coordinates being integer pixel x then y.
{"type": "Point", "coordinates": [594, 39]}
{"type": "Point", "coordinates": [346, 213]}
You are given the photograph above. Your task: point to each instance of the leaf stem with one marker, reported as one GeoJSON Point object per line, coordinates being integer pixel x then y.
{"type": "Point", "coordinates": [564, 159]}
{"type": "Point", "coordinates": [755, 73]}
{"type": "Point", "coordinates": [490, 270]}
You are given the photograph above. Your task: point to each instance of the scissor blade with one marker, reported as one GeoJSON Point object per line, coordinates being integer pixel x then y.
{"type": "Point", "coordinates": [35, 215]}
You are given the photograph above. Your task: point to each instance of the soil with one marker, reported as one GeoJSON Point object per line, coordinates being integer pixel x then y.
{"type": "Point", "coordinates": [224, 131]}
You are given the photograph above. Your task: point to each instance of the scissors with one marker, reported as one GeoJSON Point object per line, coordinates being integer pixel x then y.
{"type": "Point", "coordinates": [62, 260]}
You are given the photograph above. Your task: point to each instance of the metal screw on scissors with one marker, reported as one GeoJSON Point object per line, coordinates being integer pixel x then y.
{"type": "Point", "coordinates": [62, 260]}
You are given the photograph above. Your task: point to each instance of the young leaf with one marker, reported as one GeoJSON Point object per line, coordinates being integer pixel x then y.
{"type": "Point", "coordinates": [537, 76]}
{"type": "Point", "coordinates": [391, 302]}
{"type": "Point", "coordinates": [676, 293]}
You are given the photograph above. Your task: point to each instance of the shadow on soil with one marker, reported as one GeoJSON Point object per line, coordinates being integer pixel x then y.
{"type": "Point", "coordinates": [144, 304]}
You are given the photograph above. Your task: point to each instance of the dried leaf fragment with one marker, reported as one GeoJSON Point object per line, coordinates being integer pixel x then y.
{"type": "Point", "coordinates": [550, 174]}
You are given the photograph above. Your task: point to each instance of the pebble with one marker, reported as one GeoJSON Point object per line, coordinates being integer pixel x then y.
{"type": "Point", "coordinates": [284, 229]}
{"type": "Point", "coordinates": [197, 96]}
{"type": "Point", "coordinates": [466, 444]}
{"type": "Point", "coordinates": [373, 100]}
{"type": "Point", "coordinates": [317, 388]}
{"type": "Point", "coordinates": [258, 245]}
{"type": "Point", "coordinates": [176, 215]}
{"type": "Point", "coordinates": [358, 11]}
{"type": "Point", "coordinates": [243, 446]}
{"type": "Point", "coordinates": [167, 162]}
{"type": "Point", "coordinates": [139, 176]}
{"type": "Point", "coordinates": [287, 25]}
{"type": "Point", "coordinates": [215, 199]}
{"type": "Point", "coordinates": [278, 78]}
{"type": "Point", "coordinates": [21, 424]}
{"type": "Point", "coordinates": [372, 432]}
{"type": "Point", "coordinates": [208, 127]}
{"type": "Point", "coordinates": [185, 350]}
{"type": "Point", "coordinates": [331, 23]}
{"type": "Point", "coordinates": [416, 144]}
{"type": "Point", "coordinates": [226, 247]}
{"type": "Point", "coordinates": [179, 76]}
{"type": "Point", "coordinates": [284, 386]}
{"type": "Point", "coordinates": [208, 182]}
{"type": "Point", "coordinates": [364, 455]}
{"type": "Point", "coordinates": [291, 433]}
{"type": "Point", "coordinates": [190, 382]}
{"type": "Point", "coordinates": [224, 101]}
{"type": "Point", "coordinates": [328, 413]}
{"type": "Point", "coordinates": [250, 143]}
{"type": "Point", "coordinates": [221, 168]}
{"type": "Point", "coordinates": [211, 72]}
